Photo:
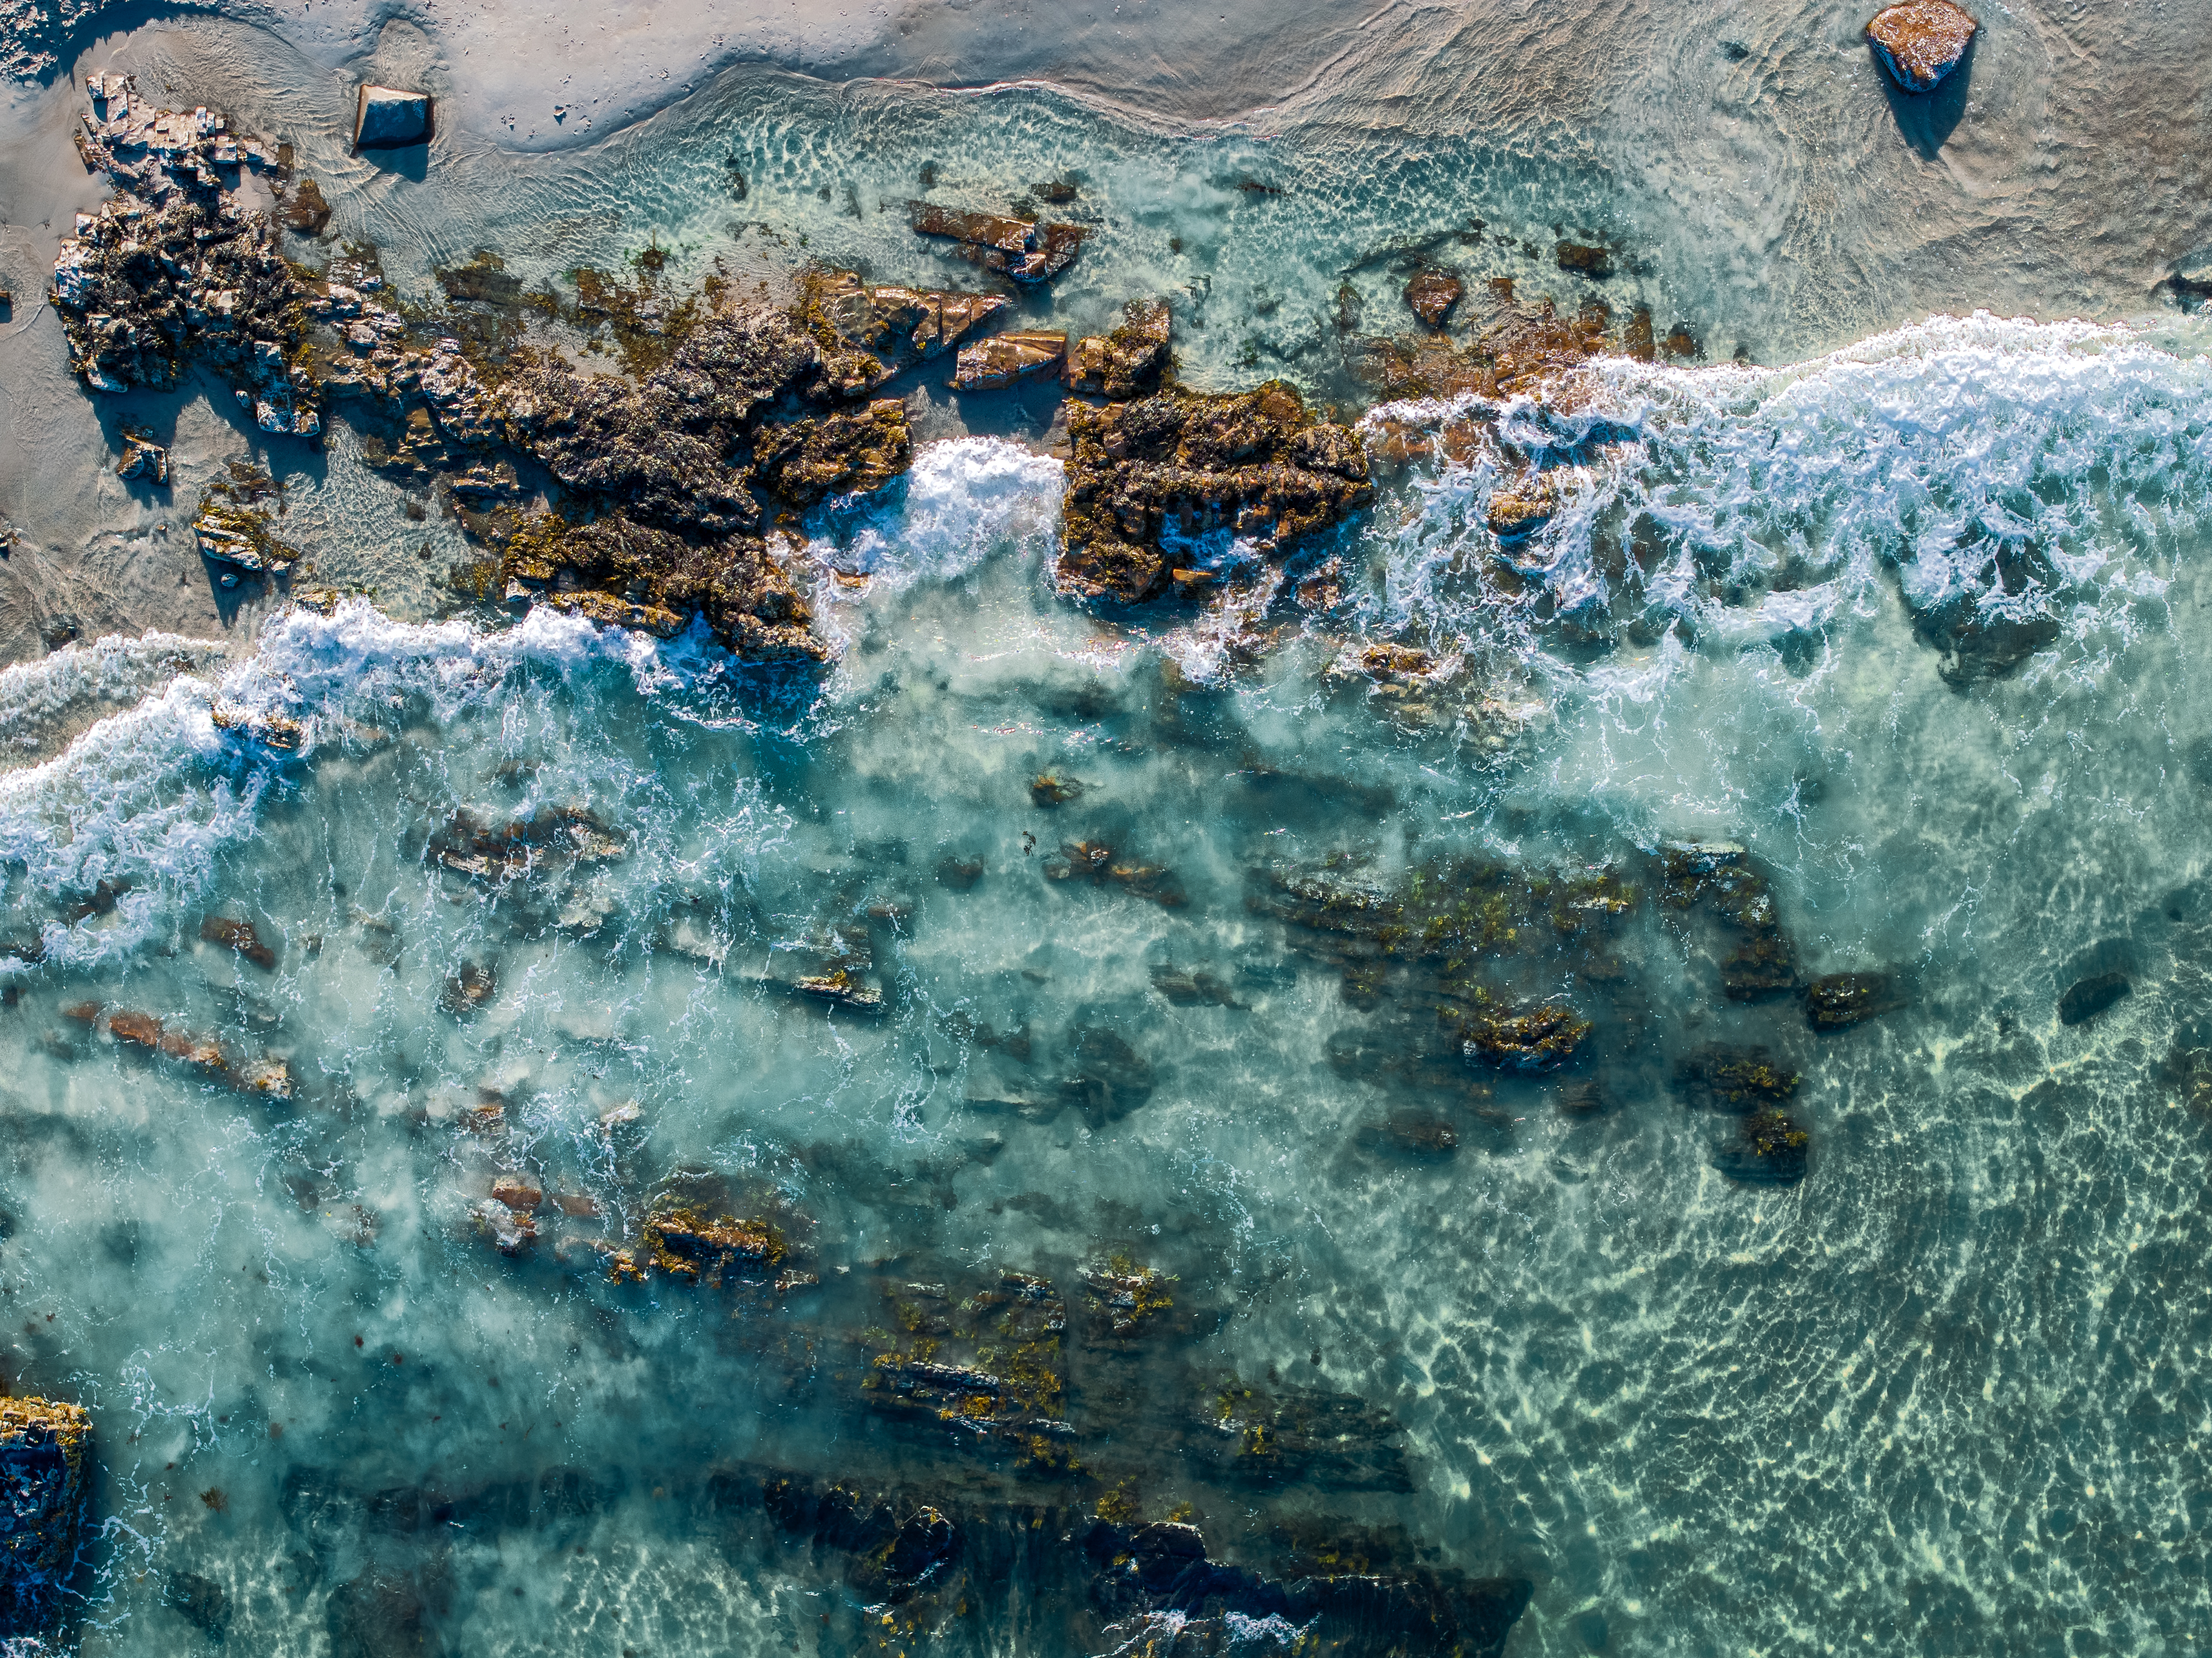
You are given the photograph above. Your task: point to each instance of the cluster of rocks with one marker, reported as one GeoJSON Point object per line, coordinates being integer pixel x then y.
{"type": "Point", "coordinates": [1025, 250]}
{"type": "Point", "coordinates": [1147, 478]}
{"type": "Point", "coordinates": [173, 268]}
{"type": "Point", "coordinates": [264, 1075]}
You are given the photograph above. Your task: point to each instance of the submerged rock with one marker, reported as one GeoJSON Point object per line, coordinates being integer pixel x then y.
{"type": "Point", "coordinates": [1417, 1134]}
{"type": "Point", "coordinates": [1144, 476]}
{"type": "Point", "coordinates": [1130, 361]}
{"type": "Point", "coordinates": [1189, 989]}
{"type": "Point", "coordinates": [1842, 999]}
{"type": "Point", "coordinates": [1027, 251]}
{"type": "Point", "coordinates": [1921, 41]}
{"type": "Point", "coordinates": [2087, 997]}
{"type": "Point", "coordinates": [1995, 616]}
{"type": "Point", "coordinates": [385, 118]}
{"type": "Point", "coordinates": [45, 1488]}
{"type": "Point", "coordinates": [1095, 861]}
{"type": "Point", "coordinates": [960, 874]}
{"type": "Point", "coordinates": [1003, 359]}
{"type": "Point", "coordinates": [1734, 1080]}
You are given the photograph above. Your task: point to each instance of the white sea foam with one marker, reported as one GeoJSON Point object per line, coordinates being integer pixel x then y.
{"type": "Point", "coordinates": [965, 499]}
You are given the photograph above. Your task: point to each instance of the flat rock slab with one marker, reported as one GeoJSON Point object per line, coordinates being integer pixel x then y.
{"type": "Point", "coordinates": [1005, 358]}
{"type": "Point", "coordinates": [387, 119]}
{"type": "Point", "coordinates": [1921, 41]}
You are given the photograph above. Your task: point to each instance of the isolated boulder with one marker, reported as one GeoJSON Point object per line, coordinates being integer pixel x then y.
{"type": "Point", "coordinates": [1432, 293]}
{"type": "Point", "coordinates": [387, 119]}
{"type": "Point", "coordinates": [1921, 41]}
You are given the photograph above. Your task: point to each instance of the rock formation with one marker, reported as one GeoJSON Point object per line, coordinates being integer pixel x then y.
{"type": "Point", "coordinates": [1921, 41]}
{"type": "Point", "coordinates": [171, 269]}
{"type": "Point", "coordinates": [1128, 362]}
{"type": "Point", "coordinates": [1145, 476]}
{"type": "Point", "coordinates": [1432, 293]}
{"type": "Point", "coordinates": [1025, 251]}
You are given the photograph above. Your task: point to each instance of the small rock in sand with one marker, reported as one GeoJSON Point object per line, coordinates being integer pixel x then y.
{"type": "Point", "coordinates": [387, 119]}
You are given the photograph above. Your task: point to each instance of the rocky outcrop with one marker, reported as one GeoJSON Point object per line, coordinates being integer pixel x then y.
{"type": "Point", "coordinates": [264, 1074]}
{"type": "Point", "coordinates": [1027, 251]}
{"type": "Point", "coordinates": [845, 452]}
{"type": "Point", "coordinates": [45, 1486]}
{"type": "Point", "coordinates": [1541, 1039]}
{"type": "Point", "coordinates": [1921, 41]}
{"type": "Point", "coordinates": [1130, 361]}
{"type": "Point", "coordinates": [1145, 476]}
{"type": "Point", "coordinates": [697, 1248]}
{"type": "Point", "coordinates": [869, 335]}
{"type": "Point", "coordinates": [385, 118]}
{"type": "Point", "coordinates": [173, 268]}
{"type": "Point", "coordinates": [144, 458]}
{"type": "Point", "coordinates": [1003, 359]}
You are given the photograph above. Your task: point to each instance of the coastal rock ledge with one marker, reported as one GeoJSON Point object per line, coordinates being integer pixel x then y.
{"type": "Point", "coordinates": [1921, 41]}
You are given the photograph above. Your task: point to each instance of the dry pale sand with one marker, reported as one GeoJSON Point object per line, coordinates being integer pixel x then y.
{"type": "Point", "coordinates": [2066, 171]}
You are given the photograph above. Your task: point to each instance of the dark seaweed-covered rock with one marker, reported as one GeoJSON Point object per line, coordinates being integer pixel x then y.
{"type": "Point", "coordinates": [1106, 1078]}
{"type": "Point", "coordinates": [1759, 961]}
{"type": "Point", "coordinates": [1769, 1150]}
{"type": "Point", "coordinates": [1128, 362]}
{"type": "Point", "coordinates": [849, 451]}
{"type": "Point", "coordinates": [1995, 617]}
{"type": "Point", "coordinates": [1541, 1039]}
{"type": "Point", "coordinates": [1842, 999]}
{"type": "Point", "coordinates": [690, 1245]}
{"type": "Point", "coordinates": [2086, 998]}
{"type": "Point", "coordinates": [44, 1484]}
{"type": "Point", "coordinates": [1179, 463]}
{"type": "Point", "coordinates": [1734, 1080]}
{"type": "Point", "coordinates": [1097, 863]}
{"type": "Point", "coordinates": [1585, 260]}
{"type": "Point", "coordinates": [1025, 251]}
{"type": "Point", "coordinates": [1921, 41]}
{"type": "Point", "coordinates": [1415, 1134]}
{"type": "Point", "coordinates": [200, 1601]}
{"type": "Point", "coordinates": [959, 873]}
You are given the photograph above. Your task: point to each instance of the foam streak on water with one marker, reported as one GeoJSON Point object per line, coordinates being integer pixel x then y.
{"type": "Point", "coordinates": [1948, 1394]}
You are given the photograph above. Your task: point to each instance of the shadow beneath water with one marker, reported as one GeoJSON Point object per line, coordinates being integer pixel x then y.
{"type": "Point", "coordinates": [1926, 119]}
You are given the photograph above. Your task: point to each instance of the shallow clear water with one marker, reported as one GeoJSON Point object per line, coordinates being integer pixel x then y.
{"type": "Point", "coordinates": [1948, 1393]}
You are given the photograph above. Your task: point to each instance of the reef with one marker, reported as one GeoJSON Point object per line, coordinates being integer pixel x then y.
{"type": "Point", "coordinates": [1045, 1576]}
{"type": "Point", "coordinates": [1921, 41]}
{"type": "Point", "coordinates": [1146, 477]}
{"type": "Point", "coordinates": [45, 1484]}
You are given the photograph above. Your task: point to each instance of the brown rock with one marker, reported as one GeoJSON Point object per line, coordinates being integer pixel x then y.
{"type": "Point", "coordinates": [1921, 41]}
{"type": "Point", "coordinates": [850, 452]}
{"type": "Point", "coordinates": [240, 937]}
{"type": "Point", "coordinates": [1005, 358]}
{"type": "Point", "coordinates": [1028, 251]}
{"type": "Point", "coordinates": [1432, 293]}
{"type": "Point", "coordinates": [517, 1193]}
{"type": "Point", "coordinates": [1127, 362]}
{"type": "Point", "coordinates": [1585, 260]}
{"type": "Point", "coordinates": [1178, 463]}
{"type": "Point", "coordinates": [306, 212]}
